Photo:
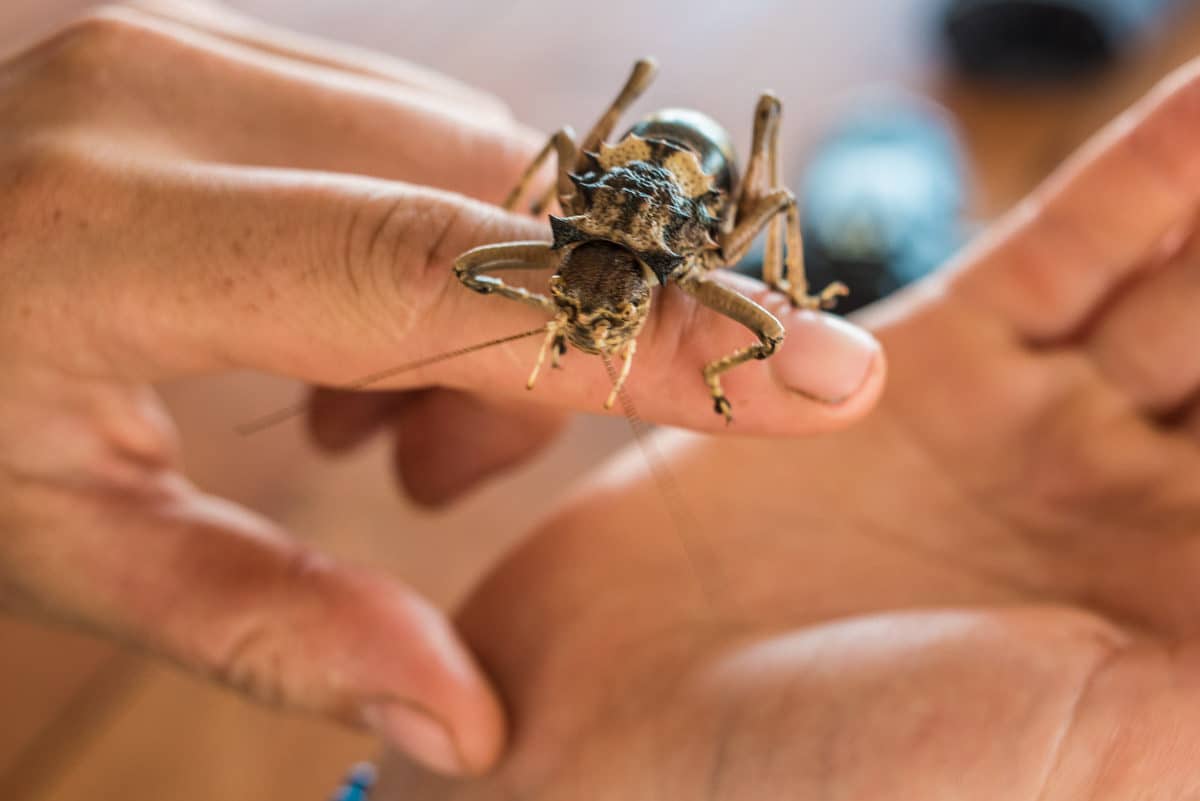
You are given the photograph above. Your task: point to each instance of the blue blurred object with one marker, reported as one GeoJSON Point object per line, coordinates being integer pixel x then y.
{"type": "Point", "coordinates": [357, 784]}
{"type": "Point", "coordinates": [1042, 41]}
{"type": "Point", "coordinates": [882, 198]}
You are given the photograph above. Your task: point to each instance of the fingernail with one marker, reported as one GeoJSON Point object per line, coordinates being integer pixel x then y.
{"type": "Point", "coordinates": [824, 357]}
{"type": "Point", "coordinates": [416, 733]}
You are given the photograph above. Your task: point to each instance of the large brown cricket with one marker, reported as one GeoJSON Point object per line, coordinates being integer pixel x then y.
{"type": "Point", "coordinates": [662, 205]}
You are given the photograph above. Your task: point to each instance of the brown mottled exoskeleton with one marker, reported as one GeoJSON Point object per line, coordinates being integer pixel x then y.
{"type": "Point", "coordinates": [663, 204]}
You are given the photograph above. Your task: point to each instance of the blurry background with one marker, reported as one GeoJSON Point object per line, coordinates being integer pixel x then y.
{"type": "Point", "coordinates": [82, 719]}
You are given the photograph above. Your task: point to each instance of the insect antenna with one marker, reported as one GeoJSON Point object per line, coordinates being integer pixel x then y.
{"type": "Point", "coordinates": [695, 550]}
{"type": "Point", "coordinates": [288, 412]}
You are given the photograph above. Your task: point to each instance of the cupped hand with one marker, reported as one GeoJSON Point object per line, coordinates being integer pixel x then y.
{"type": "Point", "coordinates": [988, 590]}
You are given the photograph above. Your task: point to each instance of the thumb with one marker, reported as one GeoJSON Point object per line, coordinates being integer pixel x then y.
{"type": "Point", "coordinates": [222, 592]}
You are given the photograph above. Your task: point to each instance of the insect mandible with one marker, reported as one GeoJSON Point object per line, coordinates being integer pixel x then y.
{"type": "Point", "coordinates": [662, 205]}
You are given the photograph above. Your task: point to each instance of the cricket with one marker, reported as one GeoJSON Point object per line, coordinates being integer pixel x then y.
{"type": "Point", "coordinates": [661, 205]}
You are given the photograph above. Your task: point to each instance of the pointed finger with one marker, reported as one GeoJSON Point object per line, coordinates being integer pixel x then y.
{"type": "Point", "coordinates": [1055, 259]}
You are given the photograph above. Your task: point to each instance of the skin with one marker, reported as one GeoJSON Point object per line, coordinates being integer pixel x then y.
{"type": "Point", "coordinates": [187, 191]}
{"type": "Point", "coordinates": [987, 590]}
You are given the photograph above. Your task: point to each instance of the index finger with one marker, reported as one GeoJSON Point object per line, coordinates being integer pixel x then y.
{"type": "Point", "coordinates": [328, 278]}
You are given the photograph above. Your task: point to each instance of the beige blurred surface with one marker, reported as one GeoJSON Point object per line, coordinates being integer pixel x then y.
{"type": "Point", "coordinates": [81, 719]}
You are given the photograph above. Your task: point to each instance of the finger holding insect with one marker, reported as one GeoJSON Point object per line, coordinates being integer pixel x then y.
{"type": "Point", "coordinates": [316, 276]}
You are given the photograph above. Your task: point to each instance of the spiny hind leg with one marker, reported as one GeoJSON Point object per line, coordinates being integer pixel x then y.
{"type": "Point", "coordinates": [767, 211]}
{"type": "Point", "coordinates": [562, 144]}
{"type": "Point", "coordinates": [762, 188]}
{"type": "Point", "coordinates": [577, 160]}
{"type": "Point", "coordinates": [637, 83]}
{"type": "Point", "coordinates": [758, 180]}
{"type": "Point", "coordinates": [733, 304]}
{"type": "Point", "coordinates": [474, 266]}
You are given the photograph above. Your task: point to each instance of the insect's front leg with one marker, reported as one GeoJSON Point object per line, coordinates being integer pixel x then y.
{"type": "Point", "coordinates": [637, 83]}
{"type": "Point", "coordinates": [472, 269]}
{"type": "Point", "coordinates": [733, 304]}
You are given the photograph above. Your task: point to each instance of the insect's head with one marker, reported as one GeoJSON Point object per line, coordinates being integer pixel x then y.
{"type": "Point", "coordinates": [603, 294]}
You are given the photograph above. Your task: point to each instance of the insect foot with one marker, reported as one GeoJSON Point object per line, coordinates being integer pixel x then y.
{"type": "Point", "coordinates": [723, 407]}
{"type": "Point", "coordinates": [827, 299]}
{"type": "Point", "coordinates": [721, 404]}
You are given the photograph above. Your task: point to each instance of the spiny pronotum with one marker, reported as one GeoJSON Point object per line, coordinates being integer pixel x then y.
{"type": "Point", "coordinates": [663, 204]}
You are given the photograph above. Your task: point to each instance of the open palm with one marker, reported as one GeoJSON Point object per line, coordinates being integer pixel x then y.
{"type": "Point", "coordinates": [988, 590]}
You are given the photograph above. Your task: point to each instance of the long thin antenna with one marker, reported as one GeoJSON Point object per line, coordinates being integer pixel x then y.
{"type": "Point", "coordinates": [671, 493]}
{"type": "Point", "coordinates": [288, 412]}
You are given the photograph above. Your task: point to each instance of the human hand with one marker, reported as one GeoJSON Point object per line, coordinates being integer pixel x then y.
{"type": "Point", "coordinates": [187, 191]}
{"type": "Point", "coordinates": [985, 591]}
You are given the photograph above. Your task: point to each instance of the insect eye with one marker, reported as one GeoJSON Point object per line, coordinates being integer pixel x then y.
{"type": "Point", "coordinates": [629, 312]}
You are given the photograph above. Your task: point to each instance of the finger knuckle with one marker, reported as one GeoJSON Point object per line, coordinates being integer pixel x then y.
{"type": "Point", "coordinates": [253, 663]}
{"type": "Point", "coordinates": [95, 38]}
{"type": "Point", "coordinates": [396, 250]}
{"type": "Point", "coordinates": [91, 60]}
{"type": "Point", "coordinates": [259, 656]}
{"type": "Point", "coordinates": [55, 80]}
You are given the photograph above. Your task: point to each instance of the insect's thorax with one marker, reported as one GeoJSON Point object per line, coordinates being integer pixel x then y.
{"type": "Point", "coordinates": [644, 209]}
{"type": "Point", "coordinates": [661, 192]}
{"type": "Point", "coordinates": [700, 134]}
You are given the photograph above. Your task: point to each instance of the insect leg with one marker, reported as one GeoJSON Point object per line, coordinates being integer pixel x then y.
{"type": "Point", "coordinates": [626, 363]}
{"type": "Point", "coordinates": [733, 304]}
{"type": "Point", "coordinates": [761, 175]}
{"type": "Point", "coordinates": [573, 158]}
{"type": "Point", "coordinates": [766, 210]}
{"type": "Point", "coordinates": [564, 145]}
{"type": "Point", "coordinates": [759, 211]}
{"type": "Point", "coordinates": [639, 80]}
{"type": "Point", "coordinates": [761, 188]}
{"type": "Point", "coordinates": [472, 268]}
{"type": "Point", "coordinates": [553, 340]}
{"type": "Point", "coordinates": [561, 143]}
